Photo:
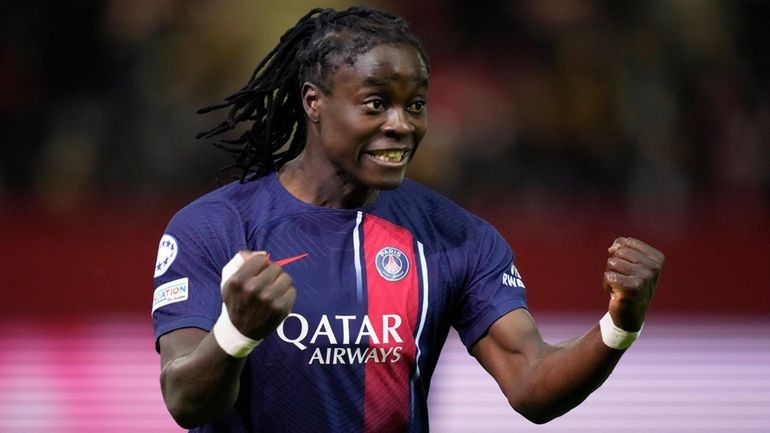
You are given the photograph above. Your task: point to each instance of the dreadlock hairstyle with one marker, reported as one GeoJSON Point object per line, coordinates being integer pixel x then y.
{"type": "Point", "coordinates": [310, 51]}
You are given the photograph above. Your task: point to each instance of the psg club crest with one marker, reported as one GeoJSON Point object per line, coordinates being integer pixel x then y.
{"type": "Point", "coordinates": [392, 264]}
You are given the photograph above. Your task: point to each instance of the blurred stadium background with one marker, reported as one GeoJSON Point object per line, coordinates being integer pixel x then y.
{"type": "Point", "coordinates": [564, 123]}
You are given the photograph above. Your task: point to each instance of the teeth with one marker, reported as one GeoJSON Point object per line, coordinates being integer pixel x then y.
{"type": "Point", "coordinates": [389, 155]}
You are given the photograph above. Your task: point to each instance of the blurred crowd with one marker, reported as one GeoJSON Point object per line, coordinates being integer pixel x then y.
{"type": "Point", "coordinates": [657, 103]}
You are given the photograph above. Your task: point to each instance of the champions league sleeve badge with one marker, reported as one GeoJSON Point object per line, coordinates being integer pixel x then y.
{"type": "Point", "coordinates": [392, 264]}
{"type": "Point", "coordinates": [166, 254]}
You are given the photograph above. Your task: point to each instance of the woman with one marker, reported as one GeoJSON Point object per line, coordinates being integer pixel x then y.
{"type": "Point", "coordinates": [339, 278]}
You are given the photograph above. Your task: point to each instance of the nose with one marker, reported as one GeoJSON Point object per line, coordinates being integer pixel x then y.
{"type": "Point", "coordinates": [398, 124]}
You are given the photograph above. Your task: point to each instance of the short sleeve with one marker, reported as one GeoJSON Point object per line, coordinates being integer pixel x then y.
{"type": "Point", "coordinates": [493, 286]}
{"type": "Point", "coordinates": [198, 241]}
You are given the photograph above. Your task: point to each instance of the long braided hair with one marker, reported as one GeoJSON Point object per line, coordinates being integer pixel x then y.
{"type": "Point", "coordinates": [310, 51]}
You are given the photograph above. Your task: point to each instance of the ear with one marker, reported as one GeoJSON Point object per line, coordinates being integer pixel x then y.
{"type": "Point", "coordinates": [311, 101]}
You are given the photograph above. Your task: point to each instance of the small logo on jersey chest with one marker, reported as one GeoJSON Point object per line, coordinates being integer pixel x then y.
{"type": "Point", "coordinates": [392, 264]}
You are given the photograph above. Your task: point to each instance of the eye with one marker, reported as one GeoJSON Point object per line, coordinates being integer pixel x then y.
{"type": "Point", "coordinates": [377, 105]}
{"type": "Point", "coordinates": [417, 106]}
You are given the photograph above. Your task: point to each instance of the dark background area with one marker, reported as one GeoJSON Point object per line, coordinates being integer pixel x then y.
{"type": "Point", "coordinates": [564, 123]}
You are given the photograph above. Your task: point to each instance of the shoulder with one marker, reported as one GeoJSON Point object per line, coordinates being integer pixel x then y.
{"type": "Point", "coordinates": [219, 220]}
{"type": "Point", "coordinates": [227, 205]}
{"type": "Point", "coordinates": [441, 212]}
{"type": "Point", "coordinates": [210, 229]}
{"type": "Point", "coordinates": [440, 224]}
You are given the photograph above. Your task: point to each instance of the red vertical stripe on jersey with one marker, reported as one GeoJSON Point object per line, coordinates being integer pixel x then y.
{"type": "Point", "coordinates": [387, 399]}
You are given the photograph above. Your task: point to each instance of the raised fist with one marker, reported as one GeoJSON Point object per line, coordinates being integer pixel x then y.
{"type": "Point", "coordinates": [631, 276]}
{"type": "Point", "coordinates": [258, 294]}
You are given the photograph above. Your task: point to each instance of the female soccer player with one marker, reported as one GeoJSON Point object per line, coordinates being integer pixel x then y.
{"type": "Point", "coordinates": [315, 294]}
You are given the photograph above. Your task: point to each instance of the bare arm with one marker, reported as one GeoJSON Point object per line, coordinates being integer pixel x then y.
{"type": "Point", "coordinates": [199, 380]}
{"type": "Point", "coordinates": [543, 381]}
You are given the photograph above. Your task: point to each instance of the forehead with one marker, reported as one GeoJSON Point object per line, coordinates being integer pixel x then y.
{"type": "Point", "coordinates": [382, 65]}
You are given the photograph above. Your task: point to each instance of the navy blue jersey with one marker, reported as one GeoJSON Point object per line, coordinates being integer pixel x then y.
{"type": "Point", "coordinates": [377, 290]}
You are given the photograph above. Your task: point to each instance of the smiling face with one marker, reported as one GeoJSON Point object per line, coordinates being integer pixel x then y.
{"type": "Point", "coordinates": [365, 131]}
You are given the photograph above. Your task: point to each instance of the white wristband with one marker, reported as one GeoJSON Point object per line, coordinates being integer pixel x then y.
{"type": "Point", "coordinates": [230, 338]}
{"type": "Point", "coordinates": [230, 268]}
{"type": "Point", "coordinates": [614, 337]}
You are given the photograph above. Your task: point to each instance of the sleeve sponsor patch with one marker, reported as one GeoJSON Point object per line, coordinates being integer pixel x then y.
{"type": "Point", "coordinates": [512, 278]}
{"type": "Point", "coordinates": [171, 292]}
{"type": "Point", "coordinates": [167, 250]}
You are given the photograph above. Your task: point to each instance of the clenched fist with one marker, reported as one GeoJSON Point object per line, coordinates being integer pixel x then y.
{"type": "Point", "coordinates": [258, 295]}
{"type": "Point", "coordinates": [631, 276]}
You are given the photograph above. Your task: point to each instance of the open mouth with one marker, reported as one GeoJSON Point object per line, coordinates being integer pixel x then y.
{"type": "Point", "coordinates": [388, 155]}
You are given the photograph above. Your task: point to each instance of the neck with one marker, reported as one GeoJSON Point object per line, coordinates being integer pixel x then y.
{"type": "Point", "coordinates": [326, 187]}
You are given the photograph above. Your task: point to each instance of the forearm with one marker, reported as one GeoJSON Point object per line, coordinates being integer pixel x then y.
{"type": "Point", "coordinates": [201, 386]}
{"type": "Point", "coordinates": [563, 376]}
{"type": "Point", "coordinates": [543, 381]}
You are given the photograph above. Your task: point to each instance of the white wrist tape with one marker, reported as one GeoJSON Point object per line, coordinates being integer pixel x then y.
{"type": "Point", "coordinates": [230, 338]}
{"type": "Point", "coordinates": [230, 268]}
{"type": "Point", "coordinates": [226, 334]}
{"type": "Point", "coordinates": [615, 337]}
